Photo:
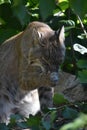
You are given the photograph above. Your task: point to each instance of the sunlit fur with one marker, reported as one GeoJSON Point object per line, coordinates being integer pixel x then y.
{"type": "Point", "coordinates": [26, 62]}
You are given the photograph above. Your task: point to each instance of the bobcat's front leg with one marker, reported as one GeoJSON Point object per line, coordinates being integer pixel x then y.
{"type": "Point", "coordinates": [46, 96]}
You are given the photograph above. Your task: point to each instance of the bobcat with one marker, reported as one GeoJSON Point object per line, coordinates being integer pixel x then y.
{"type": "Point", "coordinates": [29, 64]}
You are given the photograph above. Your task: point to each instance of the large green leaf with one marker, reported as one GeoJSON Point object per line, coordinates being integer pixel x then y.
{"type": "Point", "coordinates": [46, 124]}
{"type": "Point", "coordinates": [59, 99]}
{"type": "Point", "coordinates": [33, 122]}
{"type": "Point", "coordinates": [82, 64]}
{"type": "Point", "coordinates": [79, 6]}
{"type": "Point", "coordinates": [20, 11]}
{"type": "Point", "coordinates": [63, 5]}
{"type": "Point", "coordinates": [46, 8]}
{"type": "Point", "coordinates": [69, 113]}
{"type": "Point", "coordinates": [82, 75]}
{"type": "Point", "coordinates": [3, 126]}
{"type": "Point", "coordinates": [22, 125]}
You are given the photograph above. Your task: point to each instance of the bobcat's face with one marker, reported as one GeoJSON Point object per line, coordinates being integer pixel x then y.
{"type": "Point", "coordinates": [50, 51]}
{"type": "Point", "coordinates": [53, 51]}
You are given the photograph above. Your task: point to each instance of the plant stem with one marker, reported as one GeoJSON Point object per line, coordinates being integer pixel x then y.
{"type": "Point", "coordinates": [82, 26]}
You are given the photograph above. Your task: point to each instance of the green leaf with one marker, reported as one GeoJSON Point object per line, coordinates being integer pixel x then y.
{"type": "Point", "coordinates": [46, 8]}
{"type": "Point", "coordinates": [33, 3]}
{"type": "Point", "coordinates": [82, 64]}
{"type": "Point", "coordinates": [79, 6]}
{"type": "Point", "coordinates": [59, 99]}
{"type": "Point", "coordinates": [82, 75]}
{"type": "Point", "coordinates": [52, 116]}
{"type": "Point", "coordinates": [64, 5]}
{"type": "Point", "coordinates": [48, 119]}
{"type": "Point", "coordinates": [6, 33]}
{"type": "Point", "coordinates": [17, 2]}
{"type": "Point", "coordinates": [82, 36]}
{"type": "Point", "coordinates": [16, 117]}
{"type": "Point", "coordinates": [46, 124]}
{"type": "Point", "coordinates": [22, 125]}
{"type": "Point", "coordinates": [69, 23]}
{"type": "Point", "coordinates": [69, 113]}
{"type": "Point", "coordinates": [34, 122]}
{"type": "Point", "coordinates": [20, 12]}
{"type": "Point", "coordinates": [3, 126]}
{"type": "Point", "coordinates": [4, 1]}
{"type": "Point", "coordinates": [2, 22]}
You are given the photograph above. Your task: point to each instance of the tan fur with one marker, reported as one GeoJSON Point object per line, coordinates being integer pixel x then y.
{"type": "Point", "coordinates": [21, 65]}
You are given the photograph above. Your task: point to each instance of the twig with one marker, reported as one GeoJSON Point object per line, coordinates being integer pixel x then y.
{"type": "Point", "coordinates": [82, 26]}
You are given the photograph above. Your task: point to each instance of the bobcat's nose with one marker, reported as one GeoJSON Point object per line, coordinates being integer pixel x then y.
{"type": "Point", "coordinates": [54, 77]}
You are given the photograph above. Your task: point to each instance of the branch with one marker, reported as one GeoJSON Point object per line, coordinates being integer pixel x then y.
{"type": "Point", "coordinates": [82, 26]}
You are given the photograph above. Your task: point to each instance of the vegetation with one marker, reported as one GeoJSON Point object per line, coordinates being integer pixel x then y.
{"type": "Point", "coordinates": [14, 17]}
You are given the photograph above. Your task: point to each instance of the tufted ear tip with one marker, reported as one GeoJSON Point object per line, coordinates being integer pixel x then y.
{"type": "Point", "coordinates": [62, 28]}
{"type": "Point", "coordinates": [61, 34]}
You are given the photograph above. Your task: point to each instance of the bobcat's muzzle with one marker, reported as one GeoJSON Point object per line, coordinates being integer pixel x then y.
{"type": "Point", "coordinates": [54, 77]}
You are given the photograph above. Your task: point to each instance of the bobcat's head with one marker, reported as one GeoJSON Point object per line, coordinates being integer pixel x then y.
{"type": "Point", "coordinates": [46, 48]}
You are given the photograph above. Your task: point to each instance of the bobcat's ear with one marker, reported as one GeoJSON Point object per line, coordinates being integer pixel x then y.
{"type": "Point", "coordinates": [61, 35]}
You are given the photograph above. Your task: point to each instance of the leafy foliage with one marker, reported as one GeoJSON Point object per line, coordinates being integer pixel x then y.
{"type": "Point", "coordinates": [78, 123]}
{"type": "Point", "coordinates": [14, 17]}
{"type": "Point", "coordinates": [53, 118]}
